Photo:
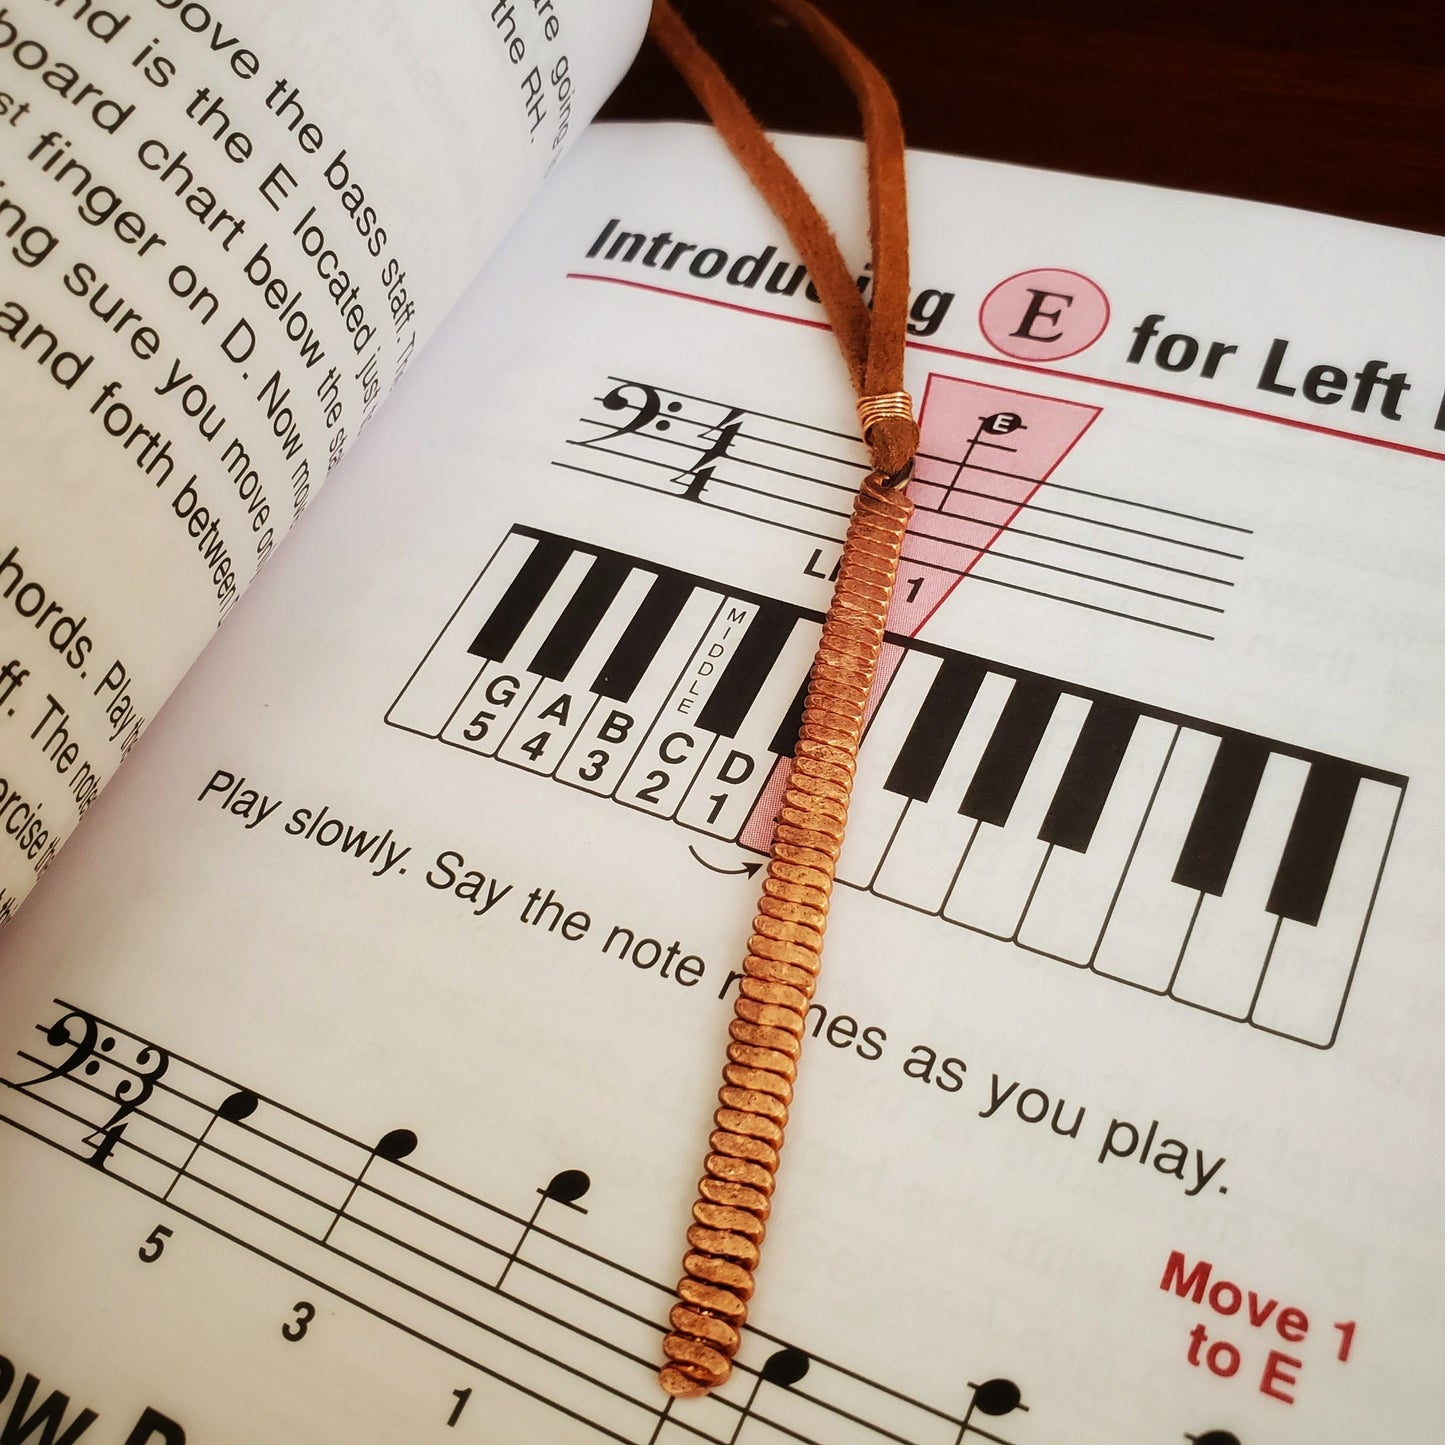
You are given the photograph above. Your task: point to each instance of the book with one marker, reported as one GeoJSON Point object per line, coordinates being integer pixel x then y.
{"type": "Point", "coordinates": [360, 1046]}
{"type": "Point", "coordinates": [225, 243]}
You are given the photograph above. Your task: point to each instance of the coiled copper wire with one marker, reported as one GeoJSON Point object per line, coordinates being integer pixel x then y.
{"type": "Point", "coordinates": [783, 958]}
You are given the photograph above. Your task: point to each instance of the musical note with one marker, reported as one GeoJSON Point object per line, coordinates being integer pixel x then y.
{"type": "Point", "coordinates": [566, 1187]}
{"type": "Point", "coordinates": [235, 1108]}
{"type": "Point", "coordinates": [997, 1397]}
{"type": "Point", "coordinates": [239, 1106]}
{"type": "Point", "coordinates": [783, 1368]}
{"type": "Point", "coordinates": [993, 1398]}
{"type": "Point", "coordinates": [996, 424]}
{"type": "Point", "coordinates": [577, 1340]}
{"type": "Point", "coordinates": [393, 1146]}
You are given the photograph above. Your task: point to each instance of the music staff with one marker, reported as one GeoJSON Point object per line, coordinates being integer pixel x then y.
{"type": "Point", "coordinates": [602, 1379]}
{"type": "Point", "coordinates": [403, 1246]}
{"type": "Point", "coordinates": [985, 454]}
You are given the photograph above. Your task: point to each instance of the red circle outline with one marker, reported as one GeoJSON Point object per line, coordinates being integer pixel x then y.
{"type": "Point", "coordinates": [1058, 271]}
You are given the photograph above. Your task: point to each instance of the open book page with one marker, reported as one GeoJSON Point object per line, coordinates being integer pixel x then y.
{"type": "Point", "coordinates": [363, 1044]}
{"type": "Point", "coordinates": [225, 229]}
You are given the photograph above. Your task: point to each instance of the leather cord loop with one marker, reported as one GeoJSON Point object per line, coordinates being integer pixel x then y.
{"type": "Point", "coordinates": [872, 340]}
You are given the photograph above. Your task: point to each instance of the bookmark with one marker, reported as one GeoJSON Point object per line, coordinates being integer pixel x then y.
{"type": "Point", "coordinates": [784, 953]}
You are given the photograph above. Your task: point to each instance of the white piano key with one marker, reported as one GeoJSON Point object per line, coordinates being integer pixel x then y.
{"type": "Point", "coordinates": [874, 812]}
{"type": "Point", "coordinates": [1151, 914]}
{"type": "Point", "coordinates": [737, 768]}
{"type": "Point", "coordinates": [758, 826]}
{"type": "Point", "coordinates": [615, 729]}
{"type": "Point", "coordinates": [1066, 914]}
{"type": "Point", "coordinates": [1003, 863]}
{"type": "Point", "coordinates": [673, 751]}
{"type": "Point", "coordinates": [1230, 939]}
{"type": "Point", "coordinates": [1310, 968]}
{"type": "Point", "coordinates": [448, 669]}
{"type": "Point", "coordinates": [558, 708]}
{"type": "Point", "coordinates": [498, 696]}
{"type": "Point", "coordinates": [932, 838]}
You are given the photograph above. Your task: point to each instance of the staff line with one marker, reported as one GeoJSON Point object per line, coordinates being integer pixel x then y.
{"type": "Point", "coordinates": [371, 1268]}
{"type": "Point", "coordinates": [983, 551]}
{"type": "Point", "coordinates": [1016, 531]}
{"type": "Point", "coordinates": [594, 1256]}
{"type": "Point", "coordinates": [746, 1412]}
{"type": "Point", "coordinates": [372, 1310]}
{"type": "Point", "coordinates": [342, 1216]}
{"type": "Point", "coordinates": [377, 1312]}
{"type": "Point", "coordinates": [941, 460]}
{"type": "Point", "coordinates": [858, 464]}
{"type": "Point", "coordinates": [596, 444]}
{"type": "Point", "coordinates": [846, 488]}
{"type": "Point", "coordinates": [722, 480]}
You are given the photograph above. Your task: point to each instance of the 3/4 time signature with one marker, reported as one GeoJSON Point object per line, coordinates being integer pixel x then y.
{"type": "Point", "coordinates": [511, 1298]}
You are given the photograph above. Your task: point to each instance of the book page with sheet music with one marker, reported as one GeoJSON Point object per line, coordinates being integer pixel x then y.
{"type": "Point", "coordinates": [360, 1050]}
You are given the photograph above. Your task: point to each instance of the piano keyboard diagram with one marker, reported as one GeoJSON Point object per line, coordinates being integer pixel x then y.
{"type": "Point", "coordinates": [1224, 870]}
{"type": "Point", "coordinates": [985, 453]}
{"type": "Point", "coordinates": [509, 1292]}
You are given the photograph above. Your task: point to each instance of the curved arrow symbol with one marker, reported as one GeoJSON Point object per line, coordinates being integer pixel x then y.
{"type": "Point", "coordinates": [749, 868]}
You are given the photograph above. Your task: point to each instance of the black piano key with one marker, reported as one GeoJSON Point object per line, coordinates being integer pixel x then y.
{"type": "Point", "coordinates": [562, 646]}
{"type": "Point", "coordinates": [1010, 752]}
{"type": "Point", "coordinates": [1224, 807]}
{"type": "Point", "coordinates": [640, 640]}
{"type": "Point", "coordinates": [785, 740]}
{"type": "Point", "coordinates": [754, 658]}
{"type": "Point", "coordinates": [1092, 767]}
{"type": "Point", "coordinates": [1308, 861]}
{"type": "Point", "coordinates": [501, 630]}
{"type": "Point", "coordinates": [935, 730]}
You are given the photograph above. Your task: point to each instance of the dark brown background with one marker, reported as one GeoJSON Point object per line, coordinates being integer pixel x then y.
{"type": "Point", "coordinates": [1334, 107]}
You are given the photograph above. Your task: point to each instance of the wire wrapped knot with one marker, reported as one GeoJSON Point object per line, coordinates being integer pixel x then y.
{"type": "Point", "coordinates": [891, 433]}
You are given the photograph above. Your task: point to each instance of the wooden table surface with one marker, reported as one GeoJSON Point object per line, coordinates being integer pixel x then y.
{"type": "Point", "coordinates": [1334, 108]}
